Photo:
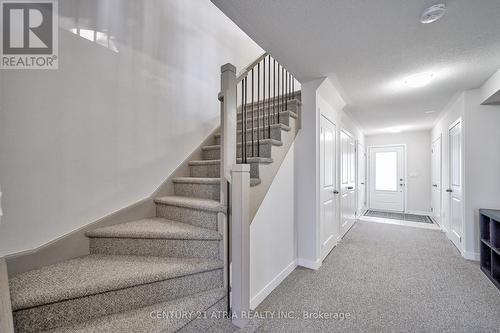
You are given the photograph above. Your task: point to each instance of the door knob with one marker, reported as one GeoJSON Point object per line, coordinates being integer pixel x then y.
{"type": "Point", "coordinates": [449, 190]}
{"type": "Point", "coordinates": [350, 187]}
{"type": "Point", "coordinates": [435, 185]}
{"type": "Point", "coordinates": [362, 183]}
{"type": "Point", "coordinates": [335, 192]}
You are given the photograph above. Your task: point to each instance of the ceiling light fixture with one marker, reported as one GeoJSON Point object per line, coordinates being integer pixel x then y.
{"type": "Point", "coordinates": [394, 129]}
{"type": "Point", "coordinates": [419, 80]}
{"type": "Point", "coordinates": [433, 13]}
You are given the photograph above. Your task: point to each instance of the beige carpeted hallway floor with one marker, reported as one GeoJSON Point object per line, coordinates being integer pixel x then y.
{"type": "Point", "coordinates": [388, 278]}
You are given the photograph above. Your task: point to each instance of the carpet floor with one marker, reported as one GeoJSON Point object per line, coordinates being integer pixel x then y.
{"type": "Point", "coordinates": [387, 278]}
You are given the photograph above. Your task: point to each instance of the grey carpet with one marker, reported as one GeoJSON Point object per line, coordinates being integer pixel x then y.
{"type": "Point", "coordinates": [95, 274]}
{"type": "Point", "coordinates": [389, 278]}
{"type": "Point", "coordinates": [399, 216]}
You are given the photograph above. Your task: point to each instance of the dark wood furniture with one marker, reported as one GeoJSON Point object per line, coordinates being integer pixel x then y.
{"type": "Point", "coordinates": [489, 223]}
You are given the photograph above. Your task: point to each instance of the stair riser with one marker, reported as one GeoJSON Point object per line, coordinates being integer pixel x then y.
{"type": "Point", "coordinates": [263, 112]}
{"type": "Point", "coordinates": [284, 119]}
{"type": "Point", "coordinates": [82, 309]}
{"type": "Point", "coordinates": [203, 191]}
{"type": "Point", "coordinates": [264, 133]}
{"type": "Point", "coordinates": [208, 320]}
{"type": "Point", "coordinates": [199, 218]}
{"type": "Point", "coordinates": [177, 248]}
{"type": "Point", "coordinates": [265, 151]}
{"type": "Point", "coordinates": [213, 170]}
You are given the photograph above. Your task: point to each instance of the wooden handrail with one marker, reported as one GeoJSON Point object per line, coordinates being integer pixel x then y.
{"type": "Point", "coordinates": [247, 69]}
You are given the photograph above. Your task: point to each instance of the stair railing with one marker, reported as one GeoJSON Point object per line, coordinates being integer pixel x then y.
{"type": "Point", "coordinates": [263, 89]}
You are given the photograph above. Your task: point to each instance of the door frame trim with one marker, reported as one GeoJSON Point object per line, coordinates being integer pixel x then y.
{"type": "Point", "coordinates": [369, 175]}
{"type": "Point", "coordinates": [462, 180]}
{"type": "Point", "coordinates": [440, 138]}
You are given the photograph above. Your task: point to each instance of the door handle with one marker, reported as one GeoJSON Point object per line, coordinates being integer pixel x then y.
{"type": "Point", "coordinates": [350, 187]}
{"type": "Point", "coordinates": [435, 185]}
{"type": "Point", "coordinates": [449, 190]}
{"type": "Point", "coordinates": [335, 192]}
{"type": "Point", "coordinates": [362, 183]}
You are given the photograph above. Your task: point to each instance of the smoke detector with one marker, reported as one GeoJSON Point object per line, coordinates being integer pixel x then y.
{"type": "Point", "coordinates": [433, 13]}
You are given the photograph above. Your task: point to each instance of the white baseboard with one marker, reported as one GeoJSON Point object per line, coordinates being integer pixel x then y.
{"type": "Point", "coordinates": [309, 263]}
{"type": "Point", "coordinates": [264, 292]}
{"type": "Point", "coordinates": [418, 212]}
{"type": "Point", "coordinates": [471, 255]}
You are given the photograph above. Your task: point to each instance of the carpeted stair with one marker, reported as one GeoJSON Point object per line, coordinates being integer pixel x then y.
{"type": "Point", "coordinates": [143, 269]}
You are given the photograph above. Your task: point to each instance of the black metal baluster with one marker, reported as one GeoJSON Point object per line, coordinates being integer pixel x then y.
{"type": "Point", "coordinates": [274, 92]}
{"type": "Point", "coordinates": [244, 144]}
{"type": "Point", "coordinates": [242, 114]}
{"type": "Point", "coordinates": [268, 95]}
{"type": "Point", "coordinates": [258, 109]}
{"type": "Point", "coordinates": [286, 89]}
{"type": "Point", "coordinates": [253, 115]}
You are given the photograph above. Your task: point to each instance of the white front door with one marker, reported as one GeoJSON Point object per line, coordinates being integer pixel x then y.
{"type": "Point", "coordinates": [328, 178]}
{"type": "Point", "coordinates": [436, 180]}
{"type": "Point", "coordinates": [361, 179]}
{"type": "Point", "coordinates": [455, 184]}
{"type": "Point", "coordinates": [347, 182]}
{"type": "Point", "coordinates": [387, 178]}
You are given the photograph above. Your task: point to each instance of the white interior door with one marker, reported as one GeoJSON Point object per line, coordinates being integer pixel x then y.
{"type": "Point", "coordinates": [328, 179]}
{"type": "Point", "coordinates": [455, 184]}
{"type": "Point", "coordinates": [347, 182]}
{"type": "Point", "coordinates": [436, 180]}
{"type": "Point", "coordinates": [361, 179]}
{"type": "Point", "coordinates": [387, 178]}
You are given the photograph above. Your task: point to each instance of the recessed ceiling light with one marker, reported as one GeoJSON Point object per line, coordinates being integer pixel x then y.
{"type": "Point", "coordinates": [430, 111]}
{"type": "Point", "coordinates": [394, 129]}
{"type": "Point", "coordinates": [419, 80]}
{"type": "Point", "coordinates": [433, 13]}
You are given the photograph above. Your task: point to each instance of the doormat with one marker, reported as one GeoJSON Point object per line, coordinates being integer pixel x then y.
{"type": "Point", "coordinates": [399, 216]}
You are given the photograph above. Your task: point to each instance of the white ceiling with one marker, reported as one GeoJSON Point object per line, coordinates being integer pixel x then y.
{"type": "Point", "coordinates": [370, 46]}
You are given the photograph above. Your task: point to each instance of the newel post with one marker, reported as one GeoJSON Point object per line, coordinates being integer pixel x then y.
{"type": "Point", "coordinates": [227, 98]}
{"type": "Point", "coordinates": [240, 243]}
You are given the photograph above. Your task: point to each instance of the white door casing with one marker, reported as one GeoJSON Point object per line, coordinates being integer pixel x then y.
{"type": "Point", "coordinates": [347, 182]}
{"type": "Point", "coordinates": [436, 172]}
{"type": "Point", "coordinates": [387, 170]}
{"type": "Point", "coordinates": [328, 189]}
{"type": "Point", "coordinates": [455, 189]}
{"type": "Point", "coordinates": [361, 180]}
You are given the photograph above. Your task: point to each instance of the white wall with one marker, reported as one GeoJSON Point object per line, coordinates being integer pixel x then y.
{"type": "Point", "coordinates": [481, 161]}
{"type": "Point", "coordinates": [482, 165]}
{"type": "Point", "coordinates": [273, 243]}
{"type": "Point", "coordinates": [418, 154]}
{"type": "Point", "coordinates": [107, 128]}
{"type": "Point", "coordinates": [453, 111]}
{"type": "Point", "coordinates": [317, 96]}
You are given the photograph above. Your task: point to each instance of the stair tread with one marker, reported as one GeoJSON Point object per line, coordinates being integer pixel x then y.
{"type": "Point", "coordinates": [140, 320]}
{"type": "Point", "coordinates": [263, 141]}
{"type": "Point", "coordinates": [201, 180]}
{"type": "Point", "coordinates": [291, 113]}
{"type": "Point", "coordinates": [94, 274]}
{"type": "Point", "coordinates": [249, 160]}
{"type": "Point", "coordinates": [155, 228]}
{"type": "Point", "coordinates": [195, 203]}
{"type": "Point", "coordinates": [196, 180]}
{"type": "Point", "coordinates": [283, 127]}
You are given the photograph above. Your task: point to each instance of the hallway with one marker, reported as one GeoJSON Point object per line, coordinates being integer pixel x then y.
{"type": "Point", "coordinates": [388, 278]}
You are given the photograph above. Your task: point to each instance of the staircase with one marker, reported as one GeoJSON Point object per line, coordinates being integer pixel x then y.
{"type": "Point", "coordinates": [138, 271]}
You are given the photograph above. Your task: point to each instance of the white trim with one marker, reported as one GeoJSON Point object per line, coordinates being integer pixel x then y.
{"type": "Point", "coordinates": [368, 172]}
{"type": "Point", "coordinates": [307, 263]}
{"type": "Point", "coordinates": [471, 255]}
{"type": "Point", "coordinates": [419, 212]}
{"type": "Point", "coordinates": [268, 288]}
